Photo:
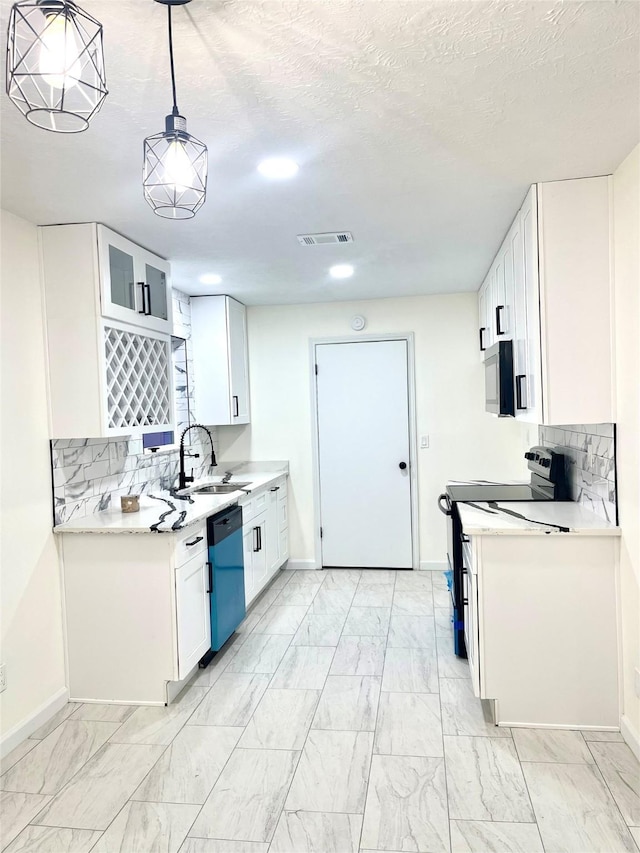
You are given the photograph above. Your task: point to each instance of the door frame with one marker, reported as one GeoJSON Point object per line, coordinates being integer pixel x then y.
{"type": "Point", "coordinates": [413, 439]}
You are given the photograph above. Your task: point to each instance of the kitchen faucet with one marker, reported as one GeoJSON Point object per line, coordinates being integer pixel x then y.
{"type": "Point", "coordinates": [183, 479]}
{"type": "Point", "coordinates": [227, 476]}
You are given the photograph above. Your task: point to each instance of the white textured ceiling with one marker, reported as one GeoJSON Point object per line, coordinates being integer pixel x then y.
{"type": "Point", "coordinates": [417, 125]}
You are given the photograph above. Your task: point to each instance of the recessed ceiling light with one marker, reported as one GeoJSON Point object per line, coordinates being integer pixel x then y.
{"type": "Point", "coordinates": [210, 278]}
{"type": "Point", "coordinates": [278, 168]}
{"type": "Point", "coordinates": [341, 271]}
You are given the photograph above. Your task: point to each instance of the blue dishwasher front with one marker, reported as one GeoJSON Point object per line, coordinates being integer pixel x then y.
{"type": "Point", "coordinates": [226, 569]}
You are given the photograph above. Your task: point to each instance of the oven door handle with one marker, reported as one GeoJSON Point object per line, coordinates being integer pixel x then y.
{"type": "Point", "coordinates": [445, 498]}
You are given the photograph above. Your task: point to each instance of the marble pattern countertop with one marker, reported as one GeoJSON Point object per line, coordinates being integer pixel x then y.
{"type": "Point", "coordinates": [540, 517]}
{"type": "Point", "coordinates": [115, 521]}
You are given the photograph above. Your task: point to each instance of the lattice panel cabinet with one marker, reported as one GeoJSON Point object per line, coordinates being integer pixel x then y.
{"type": "Point", "coordinates": [138, 379]}
{"type": "Point", "coordinates": [107, 377]}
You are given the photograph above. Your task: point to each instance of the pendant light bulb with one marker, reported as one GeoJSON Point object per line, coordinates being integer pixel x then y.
{"type": "Point", "coordinates": [178, 171]}
{"type": "Point", "coordinates": [59, 61]}
{"type": "Point", "coordinates": [174, 170]}
{"type": "Point", "coordinates": [55, 64]}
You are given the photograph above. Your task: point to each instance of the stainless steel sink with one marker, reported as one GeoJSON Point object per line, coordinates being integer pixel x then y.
{"type": "Point", "coordinates": [219, 488]}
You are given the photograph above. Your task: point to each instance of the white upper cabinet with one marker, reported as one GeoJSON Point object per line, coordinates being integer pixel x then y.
{"type": "Point", "coordinates": [550, 292]}
{"type": "Point", "coordinates": [107, 377]}
{"type": "Point", "coordinates": [220, 360]}
{"type": "Point", "coordinates": [135, 286]}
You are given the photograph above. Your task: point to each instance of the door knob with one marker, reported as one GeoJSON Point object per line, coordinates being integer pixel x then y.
{"type": "Point", "coordinates": [402, 466]}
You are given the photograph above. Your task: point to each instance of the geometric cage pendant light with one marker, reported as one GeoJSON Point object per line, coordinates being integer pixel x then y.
{"type": "Point", "coordinates": [55, 64]}
{"type": "Point", "coordinates": [174, 175]}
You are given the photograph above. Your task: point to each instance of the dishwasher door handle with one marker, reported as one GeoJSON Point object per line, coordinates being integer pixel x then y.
{"type": "Point", "coordinates": [210, 576]}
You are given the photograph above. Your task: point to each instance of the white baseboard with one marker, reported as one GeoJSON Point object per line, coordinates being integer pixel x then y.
{"type": "Point", "coordinates": [630, 735]}
{"type": "Point", "coordinates": [303, 565]}
{"type": "Point", "coordinates": [432, 566]}
{"type": "Point", "coordinates": [27, 727]}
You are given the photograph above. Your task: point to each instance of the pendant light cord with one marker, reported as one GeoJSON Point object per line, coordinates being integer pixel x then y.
{"type": "Point", "coordinates": [173, 72]}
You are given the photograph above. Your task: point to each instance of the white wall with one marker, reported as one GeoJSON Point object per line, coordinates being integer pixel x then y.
{"type": "Point", "coordinates": [465, 442]}
{"type": "Point", "coordinates": [32, 643]}
{"type": "Point", "coordinates": [626, 201]}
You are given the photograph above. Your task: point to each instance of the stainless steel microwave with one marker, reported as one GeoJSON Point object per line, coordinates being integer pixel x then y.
{"type": "Point", "coordinates": [498, 379]}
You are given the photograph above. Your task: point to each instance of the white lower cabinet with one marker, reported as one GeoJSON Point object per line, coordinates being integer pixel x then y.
{"type": "Point", "coordinates": [541, 628]}
{"type": "Point", "coordinates": [192, 612]}
{"type": "Point", "coordinates": [136, 613]}
{"type": "Point", "coordinates": [265, 539]}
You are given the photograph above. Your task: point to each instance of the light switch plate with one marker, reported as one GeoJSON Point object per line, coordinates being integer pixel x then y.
{"type": "Point", "coordinates": [424, 441]}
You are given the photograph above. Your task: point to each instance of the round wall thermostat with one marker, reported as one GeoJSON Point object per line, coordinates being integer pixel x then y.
{"type": "Point", "coordinates": [358, 323]}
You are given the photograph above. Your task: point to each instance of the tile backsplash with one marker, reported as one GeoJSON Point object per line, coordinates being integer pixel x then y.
{"type": "Point", "coordinates": [90, 474]}
{"type": "Point", "coordinates": [591, 453]}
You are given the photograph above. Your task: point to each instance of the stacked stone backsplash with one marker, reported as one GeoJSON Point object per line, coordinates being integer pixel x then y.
{"type": "Point", "coordinates": [90, 474]}
{"type": "Point", "coordinates": [591, 453]}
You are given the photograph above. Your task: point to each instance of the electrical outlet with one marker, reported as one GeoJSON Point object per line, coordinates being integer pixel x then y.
{"type": "Point", "coordinates": [636, 681]}
{"type": "Point", "coordinates": [3, 677]}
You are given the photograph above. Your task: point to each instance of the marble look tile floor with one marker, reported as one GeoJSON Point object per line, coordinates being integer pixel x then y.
{"type": "Point", "coordinates": [336, 720]}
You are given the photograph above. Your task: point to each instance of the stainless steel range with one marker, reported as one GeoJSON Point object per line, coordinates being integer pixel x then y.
{"type": "Point", "coordinates": [548, 482]}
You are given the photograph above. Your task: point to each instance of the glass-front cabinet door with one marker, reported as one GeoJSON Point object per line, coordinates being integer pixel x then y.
{"type": "Point", "coordinates": [135, 285]}
{"type": "Point", "coordinates": [121, 278]}
{"type": "Point", "coordinates": [156, 285]}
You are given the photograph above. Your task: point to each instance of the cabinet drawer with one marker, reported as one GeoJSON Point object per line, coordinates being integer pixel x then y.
{"type": "Point", "coordinates": [191, 543]}
{"type": "Point", "coordinates": [282, 489]}
{"type": "Point", "coordinates": [260, 502]}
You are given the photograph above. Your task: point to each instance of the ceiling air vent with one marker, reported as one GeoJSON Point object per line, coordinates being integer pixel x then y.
{"type": "Point", "coordinates": [329, 237]}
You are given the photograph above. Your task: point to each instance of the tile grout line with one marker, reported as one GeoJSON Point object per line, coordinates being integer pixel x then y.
{"type": "Point", "coordinates": [300, 753]}
{"type": "Point", "coordinates": [373, 744]}
{"type": "Point", "coordinates": [606, 784]}
{"type": "Point", "coordinates": [244, 728]}
{"type": "Point", "coordinates": [309, 730]}
{"type": "Point", "coordinates": [444, 754]}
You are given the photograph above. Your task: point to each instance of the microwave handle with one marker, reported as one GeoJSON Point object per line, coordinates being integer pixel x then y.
{"type": "Point", "coordinates": [519, 379]}
{"type": "Point", "coordinates": [445, 498]}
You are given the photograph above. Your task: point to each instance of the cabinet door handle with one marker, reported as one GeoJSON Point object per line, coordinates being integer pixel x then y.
{"type": "Point", "coordinates": [519, 379]}
{"type": "Point", "coordinates": [256, 539]}
{"type": "Point", "coordinates": [236, 406]}
{"type": "Point", "coordinates": [147, 288]}
{"type": "Point", "coordinates": [275, 489]}
{"type": "Point", "coordinates": [481, 330]}
{"type": "Point", "coordinates": [143, 293]}
{"type": "Point", "coordinates": [499, 329]}
{"type": "Point", "coordinates": [210, 577]}
{"type": "Point", "coordinates": [194, 541]}
{"type": "Point", "coordinates": [259, 539]}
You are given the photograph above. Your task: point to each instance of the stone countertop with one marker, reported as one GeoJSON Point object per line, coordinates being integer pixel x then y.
{"type": "Point", "coordinates": [116, 521]}
{"type": "Point", "coordinates": [539, 517]}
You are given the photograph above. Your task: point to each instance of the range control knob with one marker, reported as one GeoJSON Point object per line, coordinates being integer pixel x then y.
{"type": "Point", "coordinates": [546, 463]}
{"type": "Point", "coordinates": [528, 455]}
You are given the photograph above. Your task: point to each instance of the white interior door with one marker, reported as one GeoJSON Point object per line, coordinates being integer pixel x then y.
{"type": "Point", "coordinates": [363, 440]}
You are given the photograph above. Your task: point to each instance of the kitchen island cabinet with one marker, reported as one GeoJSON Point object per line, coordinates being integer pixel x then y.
{"type": "Point", "coordinates": [136, 602]}
{"type": "Point", "coordinates": [136, 613]}
{"type": "Point", "coordinates": [541, 613]}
